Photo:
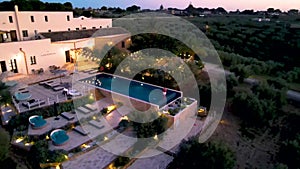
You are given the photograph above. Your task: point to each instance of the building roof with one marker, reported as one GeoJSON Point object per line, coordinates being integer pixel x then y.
{"type": "Point", "coordinates": [81, 34]}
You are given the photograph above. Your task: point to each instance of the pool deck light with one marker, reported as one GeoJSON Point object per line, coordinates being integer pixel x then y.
{"type": "Point", "coordinates": [125, 118]}
{"type": "Point", "coordinates": [20, 139]}
{"type": "Point", "coordinates": [111, 108]}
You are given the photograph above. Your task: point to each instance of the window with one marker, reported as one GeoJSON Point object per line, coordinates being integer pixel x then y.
{"type": "Point", "coordinates": [68, 18]}
{"type": "Point", "coordinates": [25, 33]}
{"type": "Point", "coordinates": [77, 29]}
{"type": "Point", "coordinates": [32, 18]}
{"type": "Point", "coordinates": [13, 65]}
{"type": "Point", "coordinates": [49, 30]}
{"type": "Point", "coordinates": [32, 60]}
{"type": "Point", "coordinates": [100, 26]}
{"type": "Point", "coordinates": [36, 34]}
{"type": "Point", "coordinates": [84, 28]}
{"type": "Point", "coordinates": [93, 27]}
{"type": "Point", "coordinates": [69, 29]}
{"type": "Point", "coordinates": [46, 18]}
{"type": "Point", "coordinates": [123, 44]}
{"type": "Point", "coordinates": [10, 18]}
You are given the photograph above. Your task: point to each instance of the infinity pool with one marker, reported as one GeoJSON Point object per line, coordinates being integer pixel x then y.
{"type": "Point", "coordinates": [134, 89]}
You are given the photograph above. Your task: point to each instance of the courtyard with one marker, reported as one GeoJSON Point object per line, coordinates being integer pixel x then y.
{"type": "Point", "coordinates": [89, 129]}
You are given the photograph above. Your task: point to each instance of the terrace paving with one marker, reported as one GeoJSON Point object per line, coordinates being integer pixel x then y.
{"type": "Point", "coordinates": [105, 102]}
{"type": "Point", "coordinates": [51, 124]}
{"type": "Point", "coordinates": [124, 110]}
{"type": "Point", "coordinates": [155, 162]}
{"type": "Point", "coordinates": [97, 158]}
{"type": "Point", "coordinates": [119, 144]}
{"type": "Point", "coordinates": [113, 118]}
{"type": "Point", "coordinates": [25, 80]}
{"type": "Point", "coordinates": [173, 138]}
{"type": "Point", "coordinates": [94, 131]}
{"type": "Point", "coordinates": [75, 140]}
{"type": "Point", "coordinates": [101, 156]}
{"type": "Point", "coordinates": [40, 92]}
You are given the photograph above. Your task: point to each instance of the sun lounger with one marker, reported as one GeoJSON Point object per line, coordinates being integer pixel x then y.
{"type": "Point", "coordinates": [80, 130]}
{"type": "Point", "coordinates": [52, 85]}
{"type": "Point", "coordinates": [23, 90]}
{"type": "Point", "coordinates": [93, 72]}
{"type": "Point", "coordinates": [33, 103]}
{"type": "Point", "coordinates": [87, 70]}
{"type": "Point", "coordinates": [44, 82]}
{"type": "Point", "coordinates": [96, 124]}
{"type": "Point", "coordinates": [68, 116]}
{"type": "Point", "coordinates": [58, 88]}
{"type": "Point", "coordinates": [90, 107]}
{"type": "Point", "coordinates": [83, 110]}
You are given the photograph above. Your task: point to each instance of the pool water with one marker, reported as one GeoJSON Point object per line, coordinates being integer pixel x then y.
{"type": "Point", "coordinates": [59, 137]}
{"type": "Point", "coordinates": [22, 96]}
{"type": "Point", "coordinates": [135, 89]}
{"type": "Point", "coordinates": [37, 121]}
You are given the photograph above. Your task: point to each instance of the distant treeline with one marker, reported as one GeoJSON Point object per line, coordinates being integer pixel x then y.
{"type": "Point", "coordinates": [273, 40]}
{"type": "Point", "coordinates": [35, 5]}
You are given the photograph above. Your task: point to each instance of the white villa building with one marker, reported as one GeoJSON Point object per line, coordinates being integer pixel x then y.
{"type": "Point", "coordinates": [33, 40]}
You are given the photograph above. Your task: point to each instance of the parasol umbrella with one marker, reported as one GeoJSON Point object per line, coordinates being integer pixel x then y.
{"type": "Point", "coordinates": [55, 107]}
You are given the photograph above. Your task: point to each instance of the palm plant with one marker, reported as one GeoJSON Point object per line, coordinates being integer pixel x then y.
{"type": "Point", "coordinates": [5, 96]}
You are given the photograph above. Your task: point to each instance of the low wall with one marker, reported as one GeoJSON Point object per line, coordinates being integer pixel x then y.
{"type": "Point", "coordinates": [189, 111]}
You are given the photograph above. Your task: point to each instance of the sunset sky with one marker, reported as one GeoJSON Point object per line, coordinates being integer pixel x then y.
{"type": "Point", "coordinates": [154, 4]}
{"type": "Point", "coordinates": [230, 5]}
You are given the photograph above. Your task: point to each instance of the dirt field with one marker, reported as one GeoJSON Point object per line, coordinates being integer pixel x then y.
{"type": "Point", "coordinates": [257, 153]}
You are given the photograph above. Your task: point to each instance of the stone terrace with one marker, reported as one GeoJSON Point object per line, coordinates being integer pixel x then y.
{"type": "Point", "coordinates": [75, 140]}
{"type": "Point", "coordinates": [52, 123]}
{"type": "Point", "coordinates": [97, 158]}
{"type": "Point", "coordinates": [155, 162]}
{"type": "Point", "coordinates": [101, 156]}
